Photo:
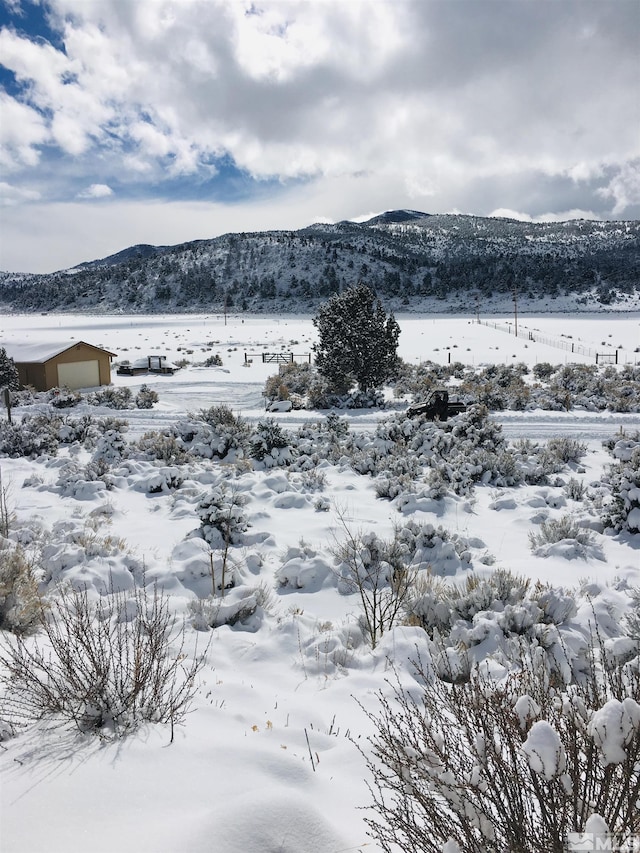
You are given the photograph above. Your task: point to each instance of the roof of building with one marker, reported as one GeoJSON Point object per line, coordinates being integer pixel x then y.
{"type": "Point", "coordinates": [41, 353]}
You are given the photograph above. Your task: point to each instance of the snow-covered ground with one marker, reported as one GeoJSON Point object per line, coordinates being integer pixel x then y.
{"type": "Point", "coordinates": [265, 760]}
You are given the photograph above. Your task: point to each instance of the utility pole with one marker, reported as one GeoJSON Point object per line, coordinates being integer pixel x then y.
{"type": "Point", "coordinates": [515, 308]}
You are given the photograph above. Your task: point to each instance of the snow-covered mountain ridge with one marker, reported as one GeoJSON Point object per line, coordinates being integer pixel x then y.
{"type": "Point", "coordinates": [413, 260]}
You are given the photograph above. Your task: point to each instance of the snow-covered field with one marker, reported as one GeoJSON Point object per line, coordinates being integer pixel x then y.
{"type": "Point", "coordinates": [265, 759]}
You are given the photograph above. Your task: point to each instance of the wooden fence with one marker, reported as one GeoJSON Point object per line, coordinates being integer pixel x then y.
{"type": "Point", "coordinates": [278, 357]}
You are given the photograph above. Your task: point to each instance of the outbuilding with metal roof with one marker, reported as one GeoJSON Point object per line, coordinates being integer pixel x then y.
{"type": "Point", "coordinates": [71, 365]}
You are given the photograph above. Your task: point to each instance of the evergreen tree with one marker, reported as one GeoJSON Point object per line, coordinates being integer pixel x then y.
{"type": "Point", "coordinates": [8, 372]}
{"type": "Point", "coordinates": [357, 340]}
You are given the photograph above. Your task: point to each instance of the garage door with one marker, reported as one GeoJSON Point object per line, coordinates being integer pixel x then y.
{"type": "Point", "coordinates": [79, 374]}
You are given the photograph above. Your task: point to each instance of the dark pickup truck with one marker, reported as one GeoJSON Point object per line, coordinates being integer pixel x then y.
{"type": "Point", "coordinates": [437, 406]}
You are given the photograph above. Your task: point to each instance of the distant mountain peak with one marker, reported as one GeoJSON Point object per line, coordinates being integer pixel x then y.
{"type": "Point", "coordinates": [391, 216]}
{"type": "Point", "coordinates": [141, 250]}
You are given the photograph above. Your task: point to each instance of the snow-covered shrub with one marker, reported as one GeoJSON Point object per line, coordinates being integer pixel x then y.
{"type": "Point", "coordinates": [146, 397]}
{"type": "Point", "coordinates": [527, 455]}
{"type": "Point", "coordinates": [64, 398]}
{"type": "Point", "coordinates": [20, 603]}
{"type": "Point", "coordinates": [337, 427]}
{"type": "Point", "coordinates": [498, 387]}
{"type": "Point", "coordinates": [26, 396]}
{"type": "Point", "coordinates": [304, 568]}
{"type": "Point", "coordinates": [164, 479]}
{"type": "Point", "coordinates": [223, 416]}
{"type": "Point", "coordinates": [543, 370]}
{"type": "Point", "coordinates": [514, 765]}
{"type": "Point", "coordinates": [83, 430]}
{"type": "Point", "coordinates": [275, 388]}
{"type": "Point", "coordinates": [391, 486]}
{"type": "Point", "coordinates": [111, 447]}
{"type": "Point", "coordinates": [575, 489]}
{"type": "Point", "coordinates": [110, 422]}
{"type": "Point", "coordinates": [460, 452]}
{"type": "Point", "coordinates": [376, 569]}
{"type": "Point", "coordinates": [292, 380]}
{"type": "Point", "coordinates": [35, 435]}
{"type": "Point", "coordinates": [271, 444]}
{"type": "Point", "coordinates": [78, 482]}
{"type": "Point", "coordinates": [566, 449]}
{"type": "Point", "coordinates": [622, 509]}
{"type": "Point", "coordinates": [242, 606]}
{"type": "Point", "coordinates": [320, 395]}
{"type": "Point", "coordinates": [496, 614]}
{"type": "Point", "coordinates": [419, 379]}
{"type": "Point", "coordinates": [222, 517]}
{"type": "Point", "coordinates": [214, 360]}
{"type": "Point", "coordinates": [438, 606]}
{"type": "Point", "coordinates": [563, 529]}
{"type": "Point", "coordinates": [434, 549]}
{"type": "Point", "coordinates": [371, 399]}
{"type": "Point", "coordinates": [98, 470]}
{"type": "Point", "coordinates": [163, 446]}
{"type": "Point", "coordinates": [214, 432]}
{"type": "Point", "coordinates": [104, 666]}
{"type": "Point", "coordinates": [537, 463]}
{"type": "Point", "coordinates": [313, 480]}
{"type": "Point", "coordinates": [473, 450]}
{"type": "Point", "coordinates": [112, 398]}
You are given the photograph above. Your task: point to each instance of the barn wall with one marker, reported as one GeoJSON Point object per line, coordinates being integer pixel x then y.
{"type": "Point", "coordinates": [45, 376]}
{"type": "Point", "coordinates": [32, 374]}
{"type": "Point", "coordinates": [80, 352]}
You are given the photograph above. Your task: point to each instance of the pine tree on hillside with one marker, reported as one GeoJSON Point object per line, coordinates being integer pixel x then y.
{"type": "Point", "coordinates": [8, 372]}
{"type": "Point", "coordinates": [357, 340]}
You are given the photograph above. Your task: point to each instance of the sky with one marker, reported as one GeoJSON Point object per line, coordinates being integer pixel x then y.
{"type": "Point", "coordinates": [162, 121]}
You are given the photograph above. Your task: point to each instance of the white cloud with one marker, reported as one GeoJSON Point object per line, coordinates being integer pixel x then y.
{"type": "Point", "coordinates": [564, 216]}
{"type": "Point", "coordinates": [96, 191]}
{"type": "Point", "coordinates": [624, 188]}
{"type": "Point", "coordinates": [10, 195]}
{"type": "Point", "coordinates": [22, 130]}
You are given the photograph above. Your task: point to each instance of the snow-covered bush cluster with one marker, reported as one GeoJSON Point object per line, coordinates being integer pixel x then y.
{"type": "Point", "coordinates": [214, 433]}
{"type": "Point", "coordinates": [112, 398]}
{"type": "Point", "coordinates": [454, 455]}
{"type": "Point", "coordinates": [306, 388]}
{"type": "Point", "coordinates": [506, 762]}
{"type": "Point", "coordinates": [622, 481]}
{"type": "Point", "coordinates": [556, 388]}
{"type": "Point", "coordinates": [107, 396]}
{"type": "Point", "coordinates": [161, 445]}
{"type": "Point", "coordinates": [493, 615]}
{"type": "Point", "coordinates": [35, 435]}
